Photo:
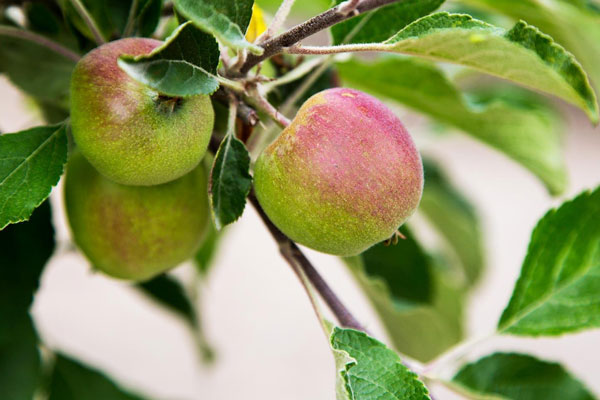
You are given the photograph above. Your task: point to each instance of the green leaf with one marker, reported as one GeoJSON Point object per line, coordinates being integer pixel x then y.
{"type": "Point", "coordinates": [47, 20]}
{"type": "Point", "coordinates": [149, 17]}
{"type": "Point", "coordinates": [52, 113]}
{"type": "Point", "coordinates": [421, 326]}
{"type": "Point", "coordinates": [559, 287]}
{"type": "Point", "coordinates": [185, 65]}
{"type": "Point", "coordinates": [110, 16]}
{"type": "Point", "coordinates": [455, 219]}
{"type": "Point", "coordinates": [171, 294]}
{"type": "Point", "coordinates": [230, 181]}
{"type": "Point", "coordinates": [206, 253]}
{"type": "Point", "coordinates": [238, 11]}
{"type": "Point", "coordinates": [575, 24]}
{"type": "Point", "coordinates": [31, 162]}
{"type": "Point", "coordinates": [24, 250]}
{"type": "Point", "coordinates": [530, 135]}
{"type": "Point", "coordinates": [74, 381]}
{"type": "Point", "coordinates": [382, 23]}
{"type": "Point", "coordinates": [222, 18]}
{"type": "Point", "coordinates": [406, 265]}
{"type": "Point", "coordinates": [20, 364]}
{"type": "Point", "coordinates": [523, 54]}
{"type": "Point", "coordinates": [520, 377]}
{"type": "Point", "coordinates": [35, 69]}
{"type": "Point", "coordinates": [304, 9]}
{"type": "Point", "coordinates": [367, 369]}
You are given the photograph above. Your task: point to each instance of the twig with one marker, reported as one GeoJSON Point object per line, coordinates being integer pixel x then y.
{"type": "Point", "coordinates": [321, 50]}
{"type": "Point", "coordinates": [258, 101]}
{"type": "Point", "coordinates": [41, 40]}
{"type": "Point", "coordinates": [457, 353]}
{"type": "Point", "coordinates": [287, 254]}
{"type": "Point", "coordinates": [327, 61]}
{"type": "Point", "coordinates": [89, 21]}
{"type": "Point", "coordinates": [292, 255]}
{"type": "Point", "coordinates": [308, 28]}
{"type": "Point", "coordinates": [239, 61]}
{"type": "Point", "coordinates": [230, 84]}
{"type": "Point", "coordinates": [244, 112]}
{"type": "Point", "coordinates": [294, 74]}
{"type": "Point", "coordinates": [232, 116]}
{"type": "Point", "coordinates": [349, 7]}
{"type": "Point", "coordinates": [287, 106]}
{"type": "Point", "coordinates": [278, 20]}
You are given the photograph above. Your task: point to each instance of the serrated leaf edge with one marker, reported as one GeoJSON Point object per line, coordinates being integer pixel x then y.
{"type": "Point", "coordinates": [239, 44]}
{"type": "Point", "coordinates": [60, 128]}
{"type": "Point", "coordinates": [125, 60]}
{"type": "Point", "coordinates": [505, 327]}
{"type": "Point", "coordinates": [224, 147]}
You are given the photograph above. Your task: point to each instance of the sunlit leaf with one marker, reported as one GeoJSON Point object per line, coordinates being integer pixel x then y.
{"type": "Point", "coordinates": [559, 287]}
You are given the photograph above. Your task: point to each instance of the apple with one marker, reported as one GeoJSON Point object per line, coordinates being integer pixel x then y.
{"type": "Point", "coordinates": [343, 176]}
{"type": "Point", "coordinates": [129, 132]}
{"type": "Point", "coordinates": [135, 232]}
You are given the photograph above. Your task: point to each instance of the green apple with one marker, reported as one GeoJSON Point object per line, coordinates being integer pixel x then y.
{"type": "Point", "coordinates": [343, 176]}
{"type": "Point", "coordinates": [128, 132]}
{"type": "Point", "coordinates": [135, 232]}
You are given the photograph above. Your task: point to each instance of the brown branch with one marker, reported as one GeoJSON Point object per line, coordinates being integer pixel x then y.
{"type": "Point", "coordinates": [294, 256]}
{"type": "Point", "coordinates": [318, 23]}
{"type": "Point", "coordinates": [244, 112]}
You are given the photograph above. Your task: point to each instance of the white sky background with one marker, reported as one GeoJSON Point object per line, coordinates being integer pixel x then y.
{"type": "Point", "coordinates": [268, 342]}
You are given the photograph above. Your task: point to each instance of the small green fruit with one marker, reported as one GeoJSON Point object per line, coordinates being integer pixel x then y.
{"type": "Point", "coordinates": [343, 176]}
{"type": "Point", "coordinates": [135, 232]}
{"type": "Point", "coordinates": [129, 133]}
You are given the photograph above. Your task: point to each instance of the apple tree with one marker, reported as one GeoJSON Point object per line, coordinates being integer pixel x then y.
{"type": "Point", "coordinates": [169, 118]}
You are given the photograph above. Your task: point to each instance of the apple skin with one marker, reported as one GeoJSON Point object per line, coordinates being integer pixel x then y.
{"type": "Point", "coordinates": [127, 131]}
{"type": "Point", "coordinates": [343, 176]}
{"type": "Point", "coordinates": [135, 232]}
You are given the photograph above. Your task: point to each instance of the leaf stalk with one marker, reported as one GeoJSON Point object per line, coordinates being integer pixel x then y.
{"type": "Point", "coordinates": [89, 21]}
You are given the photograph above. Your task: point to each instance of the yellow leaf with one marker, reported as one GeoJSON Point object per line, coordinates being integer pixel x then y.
{"type": "Point", "coordinates": [257, 24]}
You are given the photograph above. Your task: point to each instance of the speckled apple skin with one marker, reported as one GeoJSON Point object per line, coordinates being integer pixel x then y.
{"type": "Point", "coordinates": [119, 127]}
{"type": "Point", "coordinates": [343, 176]}
{"type": "Point", "coordinates": [135, 232]}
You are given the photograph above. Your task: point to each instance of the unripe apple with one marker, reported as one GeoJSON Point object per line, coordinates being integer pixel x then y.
{"type": "Point", "coordinates": [135, 232]}
{"type": "Point", "coordinates": [343, 176]}
{"type": "Point", "coordinates": [130, 133]}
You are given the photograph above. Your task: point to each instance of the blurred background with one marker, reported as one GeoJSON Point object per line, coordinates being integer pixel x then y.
{"type": "Point", "coordinates": [255, 314]}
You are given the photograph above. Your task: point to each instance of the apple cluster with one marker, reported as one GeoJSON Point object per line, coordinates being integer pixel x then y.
{"type": "Point", "coordinates": [136, 190]}
{"type": "Point", "coordinates": [343, 176]}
